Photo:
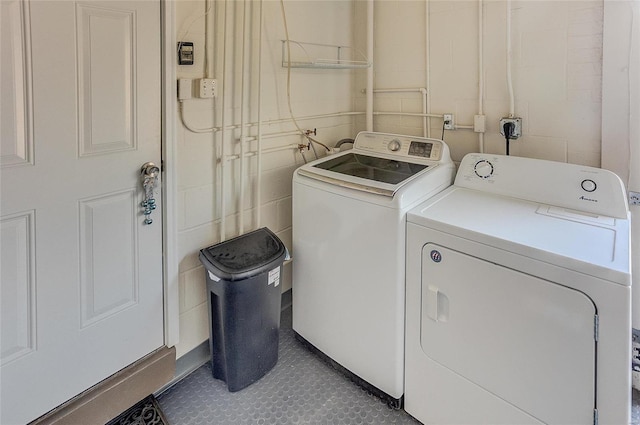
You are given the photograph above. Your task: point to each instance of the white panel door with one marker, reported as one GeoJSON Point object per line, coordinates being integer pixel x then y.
{"type": "Point", "coordinates": [81, 294]}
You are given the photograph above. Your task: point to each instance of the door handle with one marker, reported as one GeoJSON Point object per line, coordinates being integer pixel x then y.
{"type": "Point", "coordinates": [435, 304]}
{"type": "Point", "coordinates": [149, 174]}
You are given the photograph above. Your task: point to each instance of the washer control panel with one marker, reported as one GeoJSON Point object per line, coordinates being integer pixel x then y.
{"type": "Point", "coordinates": [577, 187]}
{"type": "Point", "coordinates": [407, 147]}
{"type": "Point", "coordinates": [394, 145]}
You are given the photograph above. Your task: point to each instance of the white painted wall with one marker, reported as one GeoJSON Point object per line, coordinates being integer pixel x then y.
{"type": "Point", "coordinates": [313, 92]}
{"type": "Point", "coordinates": [557, 79]}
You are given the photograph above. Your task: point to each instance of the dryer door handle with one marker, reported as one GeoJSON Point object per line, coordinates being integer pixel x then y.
{"type": "Point", "coordinates": [435, 304]}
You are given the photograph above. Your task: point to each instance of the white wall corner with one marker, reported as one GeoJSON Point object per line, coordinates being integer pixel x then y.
{"type": "Point", "coordinates": [620, 116]}
{"type": "Point", "coordinates": [615, 87]}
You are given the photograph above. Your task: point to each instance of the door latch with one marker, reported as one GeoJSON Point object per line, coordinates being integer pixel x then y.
{"type": "Point", "coordinates": [149, 174]}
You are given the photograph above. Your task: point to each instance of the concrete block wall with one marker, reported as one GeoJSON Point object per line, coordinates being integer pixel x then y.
{"type": "Point", "coordinates": [313, 91]}
{"type": "Point", "coordinates": [557, 81]}
{"type": "Point", "coordinates": [556, 69]}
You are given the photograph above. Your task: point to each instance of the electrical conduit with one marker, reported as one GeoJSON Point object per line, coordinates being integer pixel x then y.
{"type": "Point", "coordinates": [369, 108]}
{"type": "Point", "coordinates": [427, 59]}
{"type": "Point", "coordinates": [259, 138]}
{"type": "Point", "coordinates": [509, 54]}
{"type": "Point", "coordinates": [481, 70]}
{"type": "Point", "coordinates": [243, 91]}
{"type": "Point", "coordinates": [223, 221]}
{"type": "Point", "coordinates": [421, 90]}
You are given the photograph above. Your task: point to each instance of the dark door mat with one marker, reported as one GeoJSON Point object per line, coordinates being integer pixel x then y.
{"type": "Point", "coordinates": [145, 412]}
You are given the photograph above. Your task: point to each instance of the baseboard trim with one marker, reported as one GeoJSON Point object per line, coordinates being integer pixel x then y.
{"type": "Point", "coordinates": [188, 363]}
{"type": "Point", "coordinates": [107, 399]}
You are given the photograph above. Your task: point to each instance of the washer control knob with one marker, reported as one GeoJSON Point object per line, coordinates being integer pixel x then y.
{"type": "Point", "coordinates": [589, 185]}
{"type": "Point", "coordinates": [483, 169]}
{"type": "Point", "coordinates": [394, 145]}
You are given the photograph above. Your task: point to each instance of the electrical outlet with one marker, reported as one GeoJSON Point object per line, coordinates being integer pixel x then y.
{"type": "Point", "coordinates": [517, 129]}
{"type": "Point", "coordinates": [634, 198]}
{"type": "Point", "coordinates": [207, 88]}
{"type": "Point", "coordinates": [448, 122]}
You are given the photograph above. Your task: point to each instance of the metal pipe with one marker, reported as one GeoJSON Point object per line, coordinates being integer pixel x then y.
{"type": "Point", "coordinates": [370, 21]}
{"type": "Point", "coordinates": [207, 35]}
{"type": "Point", "coordinates": [427, 59]}
{"type": "Point", "coordinates": [481, 69]}
{"type": "Point", "coordinates": [273, 135]}
{"type": "Point", "coordinates": [421, 90]}
{"type": "Point", "coordinates": [509, 53]}
{"type": "Point", "coordinates": [259, 138]}
{"type": "Point", "coordinates": [223, 203]}
{"type": "Point", "coordinates": [270, 122]}
{"type": "Point", "coordinates": [268, 150]}
{"type": "Point", "coordinates": [243, 91]}
{"type": "Point", "coordinates": [409, 114]}
{"type": "Point", "coordinates": [425, 119]}
{"type": "Point", "coordinates": [404, 90]}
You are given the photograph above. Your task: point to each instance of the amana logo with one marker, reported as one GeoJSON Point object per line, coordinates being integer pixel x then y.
{"type": "Point", "coordinates": [584, 198]}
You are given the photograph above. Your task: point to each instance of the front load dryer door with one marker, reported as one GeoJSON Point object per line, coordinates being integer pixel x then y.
{"type": "Point", "coordinates": [527, 341]}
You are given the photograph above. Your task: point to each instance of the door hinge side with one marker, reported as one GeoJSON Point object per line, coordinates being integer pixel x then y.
{"type": "Point", "coordinates": [596, 327]}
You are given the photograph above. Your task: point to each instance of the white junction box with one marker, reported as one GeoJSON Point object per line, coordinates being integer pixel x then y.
{"type": "Point", "coordinates": [184, 89]}
{"type": "Point", "coordinates": [207, 88]}
{"type": "Point", "coordinates": [479, 123]}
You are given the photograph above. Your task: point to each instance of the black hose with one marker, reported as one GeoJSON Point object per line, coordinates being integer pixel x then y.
{"type": "Point", "coordinates": [343, 141]}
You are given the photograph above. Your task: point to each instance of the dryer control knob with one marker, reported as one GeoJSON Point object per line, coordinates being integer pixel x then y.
{"type": "Point", "coordinates": [483, 169]}
{"type": "Point", "coordinates": [394, 145]}
{"type": "Point", "coordinates": [589, 185]}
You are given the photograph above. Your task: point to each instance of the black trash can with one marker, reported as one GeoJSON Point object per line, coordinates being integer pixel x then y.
{"type": "Point", "coordinates": [243, 278]}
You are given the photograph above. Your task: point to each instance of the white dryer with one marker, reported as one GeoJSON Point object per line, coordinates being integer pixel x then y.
{"type": "Point", "coordinates": [519, 297]}
{"type": "Point", "coordinates": [349, 217]}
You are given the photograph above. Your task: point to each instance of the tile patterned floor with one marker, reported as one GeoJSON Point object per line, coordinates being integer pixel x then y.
{"type": "Point", "coordinates": [300, 389]}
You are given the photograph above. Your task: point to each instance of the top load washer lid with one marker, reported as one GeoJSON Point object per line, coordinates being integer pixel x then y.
{"type": "Point", "coordinates": [372, 168]}
{"type": "Point", "coordinates": [379, 163]}
{"type": "Point", "coordinates": [533, 208]}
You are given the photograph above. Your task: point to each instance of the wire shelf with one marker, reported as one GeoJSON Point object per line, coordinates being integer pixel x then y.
{"type": "Point", "coordinates": [307, 60]}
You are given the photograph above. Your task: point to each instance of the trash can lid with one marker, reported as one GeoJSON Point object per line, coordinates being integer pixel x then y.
{"type": "Point", "coordinates": [244, 256]}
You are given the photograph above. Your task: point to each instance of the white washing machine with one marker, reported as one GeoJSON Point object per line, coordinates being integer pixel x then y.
{"type": "Point", "coordinates": [519, 297]}
{"type": "Point", "coordinates": [349, 213]}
